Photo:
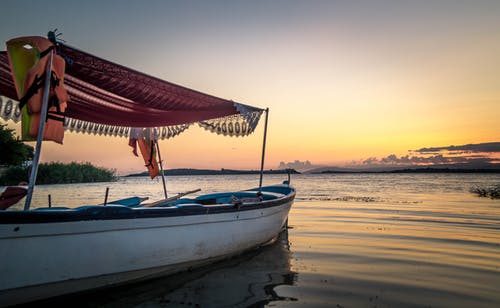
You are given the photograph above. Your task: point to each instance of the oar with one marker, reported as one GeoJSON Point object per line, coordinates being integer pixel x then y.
{"type": "Point", "coordinates": [178, 196]}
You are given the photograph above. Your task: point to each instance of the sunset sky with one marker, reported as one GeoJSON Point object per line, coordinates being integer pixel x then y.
{"type": "Point", "coordinates": [344, 80]}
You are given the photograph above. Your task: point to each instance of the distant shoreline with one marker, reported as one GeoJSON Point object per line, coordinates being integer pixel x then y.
{"type": "Point", "coordinates": [189, 171]}
{"type": "Point", "coordinates": [414, 170]}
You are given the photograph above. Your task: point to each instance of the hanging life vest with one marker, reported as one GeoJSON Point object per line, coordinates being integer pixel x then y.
{"type": "Point", "coordinates": [28, 58]}
{"type": "Point", "coordinates": [147, 148]}
{"type": "Point", "coordinates": [148, 152]}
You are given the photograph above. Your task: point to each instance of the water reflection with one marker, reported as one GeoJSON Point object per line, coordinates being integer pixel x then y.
{"type": "Point", "coordinates": [249, 280]}
{"type": "Point", "coordinates": [359, 240]}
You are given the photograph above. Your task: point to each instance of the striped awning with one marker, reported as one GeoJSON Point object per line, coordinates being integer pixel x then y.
{"type": "Point", "coordinates": [109, 99]}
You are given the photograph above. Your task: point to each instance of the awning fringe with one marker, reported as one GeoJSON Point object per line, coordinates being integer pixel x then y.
{"type": "Point", "coordinates": [234, 125]}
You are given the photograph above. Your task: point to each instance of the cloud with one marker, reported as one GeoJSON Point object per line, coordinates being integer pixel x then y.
{"type": "Point", "coordinates": [480, 153]}
{"type": "Point", "coordinates": [369, 161]}
{"type": "Point", "coordinates": [489, 147]}
{"type": "Point", "coordinates": [438, 159]}
{"type": "Point", "coordinates": [297, 165]}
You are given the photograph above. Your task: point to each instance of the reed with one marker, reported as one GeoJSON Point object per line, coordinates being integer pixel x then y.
{"type": "Point", "coordinates": [492, 192]}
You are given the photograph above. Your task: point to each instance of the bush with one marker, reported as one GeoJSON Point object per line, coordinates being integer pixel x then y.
{"type": "Point", "coordinates": [59, 173]}
{"type": "Point", "coordinates": [14, 175]}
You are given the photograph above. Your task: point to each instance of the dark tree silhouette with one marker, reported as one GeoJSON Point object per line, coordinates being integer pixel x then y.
{"type": "Point", "coordinates": [13, 152]}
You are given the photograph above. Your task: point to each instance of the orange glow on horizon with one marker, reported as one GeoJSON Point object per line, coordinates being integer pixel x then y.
{"type": "Point", "coordinates": [344, 82]}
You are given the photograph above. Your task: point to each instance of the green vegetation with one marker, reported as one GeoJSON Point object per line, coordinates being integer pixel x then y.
{"type": "Point", "coordinates": [59, 173]}
{"type": "Point", "coordinates": [14, 155]}
{"type": "Point", "coordinates": [13, 151]}
{"type": "Point", "coordinates": [492, 192]}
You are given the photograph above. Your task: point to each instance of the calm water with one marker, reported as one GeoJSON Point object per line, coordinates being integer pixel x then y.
{"type": "Point", "coordinates": [358, 240]}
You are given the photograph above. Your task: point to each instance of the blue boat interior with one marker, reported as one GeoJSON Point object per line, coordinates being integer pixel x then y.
{"type": "Point", "coordinates": [246, 196]}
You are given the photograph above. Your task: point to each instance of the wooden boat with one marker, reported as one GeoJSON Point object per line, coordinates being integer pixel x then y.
{"type": "Point", "coordinates": [56, 250]}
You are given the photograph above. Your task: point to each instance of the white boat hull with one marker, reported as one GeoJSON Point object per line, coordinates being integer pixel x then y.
{"type": "Point", "coordinates": [42, 260]}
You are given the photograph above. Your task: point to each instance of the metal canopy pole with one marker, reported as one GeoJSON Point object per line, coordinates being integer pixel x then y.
{"type": "Point", "coordinates": [41, 128]}
{"type": "Point", "coordinates": [263, 151]}
{"type": "Point", "coordinates": [161, 167]}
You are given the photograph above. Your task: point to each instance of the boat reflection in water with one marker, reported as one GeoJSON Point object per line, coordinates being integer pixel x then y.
{"type": "Point", "coordinates": [247, 280]}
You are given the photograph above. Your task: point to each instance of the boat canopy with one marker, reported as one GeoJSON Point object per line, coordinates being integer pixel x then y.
{"type": "Point", "coordinates": [106, 98]}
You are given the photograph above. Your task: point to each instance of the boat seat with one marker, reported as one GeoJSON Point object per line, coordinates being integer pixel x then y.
{"type": "Point", "coordinates": [266, 195]}
{"type": "Point", "coordinates": [246, 196]}
{"type": "Point", "coordinates": [132, 201]}
{"type": "Point", "coordinates": [173, 203]}
{"type": "Point", "coordinates": [224, 200]}
{"type": "Point", "coordinates": [235, 199]}
{"type": "Point", "coordinates": [185, 201]}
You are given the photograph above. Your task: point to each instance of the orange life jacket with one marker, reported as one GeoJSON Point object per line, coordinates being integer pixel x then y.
{"type": "Point", "coordinates": [29, 69]}
{"type": "Point", "coordinates": [148, 154]}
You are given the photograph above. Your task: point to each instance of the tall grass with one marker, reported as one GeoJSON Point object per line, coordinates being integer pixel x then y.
{"type": "Point", "coordinates": [59, 173]}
